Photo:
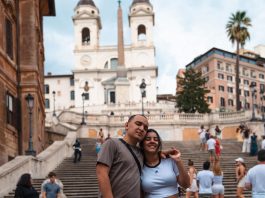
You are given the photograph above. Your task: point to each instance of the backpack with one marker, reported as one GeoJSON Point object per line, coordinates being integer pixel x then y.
{"type": "Point", "coordinates": [207, 136]}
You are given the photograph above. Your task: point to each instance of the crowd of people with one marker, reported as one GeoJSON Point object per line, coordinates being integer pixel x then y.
{"type": "Point", "coordinates": [136, 166]}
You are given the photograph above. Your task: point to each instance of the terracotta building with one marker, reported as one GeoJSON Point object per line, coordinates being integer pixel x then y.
{"type": "Point", "coordinates": [21, 73]}
{"type": "Point", "coordinates": [218, 68]}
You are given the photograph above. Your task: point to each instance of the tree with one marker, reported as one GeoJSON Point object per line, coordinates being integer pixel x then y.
{"type": "Point", "coordinates": [191, 97]}
{"type": "Point", "coordinates": [237, 31]}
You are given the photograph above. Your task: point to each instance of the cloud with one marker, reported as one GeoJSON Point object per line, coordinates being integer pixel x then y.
{"type": "Point", "coordinates": [59, 49]}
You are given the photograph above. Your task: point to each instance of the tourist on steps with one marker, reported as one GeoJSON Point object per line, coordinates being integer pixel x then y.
{"type": "Point", "coordinates": [240, 176]}
{"type": "Point", "coordinates": [24, 187]}
{"type": "Point", "coordinates": [51, 189]}
{"type": "Point", "coordinates": [256, 176]}
{"type": "Point", "coordinates": [161, 177]}
{"type": "Point", "coordinates": [218, 187]}
{"type": "Point", "coordinates": [193, 189]}
{"type": "Point", "coordinates": [205, 180]}
{"type": "Point", "coordinates": [78, 150]}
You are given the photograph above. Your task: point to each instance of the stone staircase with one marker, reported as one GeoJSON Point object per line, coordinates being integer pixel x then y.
{"type": "Point", "coordinates": [231, 151]}
{"type": "Point", "coordinates": [80, 180]}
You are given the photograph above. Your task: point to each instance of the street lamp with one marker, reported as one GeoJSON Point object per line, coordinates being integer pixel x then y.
{"type": "Point", "coordinates": [30, 103]}
{"type": "Point", "coordinates": [143, 93]}
{"type": "Point", "coordinates": [253, 91]}
{"type": "Point", "coordinates": [262, 108]}
{"type": "Point", "coordinates": [83, 116]}
{"type": "Point", "coordinates": [53, 93]}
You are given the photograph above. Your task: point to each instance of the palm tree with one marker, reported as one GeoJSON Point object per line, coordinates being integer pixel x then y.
{"type": "Point", "coordinates": [237, 31]}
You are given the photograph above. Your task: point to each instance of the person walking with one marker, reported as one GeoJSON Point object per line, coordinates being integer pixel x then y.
{"type": "Point", "coordinates": [253, 145]}
{"type": "Point", "coordinates": [193, 189]}
{"type": "Point", "coordinates": [240, 176]}
{"type": "Point", "coordinates": [211, 149]}
{"type": "Point", "coordinates": [58, 182]}
{"type": "Point", "coordinates": [78, 150]}
{"type": "Point", "coordinates": [161, 177]}
{"type": "Point", "coordinates": [217, 148]}
{"type": "Point", "coordinates": [119, 161]}
{"type": "Point", "coordinates": [24, 187]}
{"type": "Point", "coordinates": [51, 189]}
{"type": "Point", "coordinates": [255, 177]}
{"type": "Point", "coordinates": [202, 135]}
{"type": "Point", "coordinates": [218, 132]}
{"type": "Point", "coordinates": [218, 187]}
{"type": "Point", "coordinates": [205, 180]}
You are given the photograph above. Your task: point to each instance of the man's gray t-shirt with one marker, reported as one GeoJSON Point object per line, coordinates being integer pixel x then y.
{"type": "Point", "coordinates": [51, 189]}
{"type": "Point", "coordinates": [124, 173]}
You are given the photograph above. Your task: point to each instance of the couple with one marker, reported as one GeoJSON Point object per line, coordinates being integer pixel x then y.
{"type": "Point", "coordinates": [125, 170]}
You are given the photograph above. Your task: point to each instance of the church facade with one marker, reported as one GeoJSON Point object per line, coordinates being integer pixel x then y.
{"type": "Point", "coordinates": [107, 75]}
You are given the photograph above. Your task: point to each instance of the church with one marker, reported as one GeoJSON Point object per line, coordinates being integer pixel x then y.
{"type": "Point", "coordinates": [107, 75]}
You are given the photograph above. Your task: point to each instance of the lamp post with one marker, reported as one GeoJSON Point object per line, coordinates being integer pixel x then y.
{"type": "Point", "coordinates": [53, 93]}
{"type": "Point", "coordinates": [143, 93]}
{"type": "Point", "coordinates": [83, 116]}
{"type": "Point", "coordinates": [30, 103]}
{"type": "Point", "coordinates": [262, 109]}
{"type": "Point", "coordinates": [253, 91]}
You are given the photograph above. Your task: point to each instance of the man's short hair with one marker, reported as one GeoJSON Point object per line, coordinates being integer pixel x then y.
{"type": "Point", "coordinates": [261, 155]}
{"type": "Point", "coordinates": [132, 116]}
{"type": "Point", "coordinates": [51, 174]}
{"type": "Point", "coordinates": [206, 165]}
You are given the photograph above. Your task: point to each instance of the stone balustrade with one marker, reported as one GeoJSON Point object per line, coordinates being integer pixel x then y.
{"type": "Point", "coordinates": [38, 166]}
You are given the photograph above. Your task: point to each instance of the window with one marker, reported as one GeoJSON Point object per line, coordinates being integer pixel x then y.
{"type": "Point", "coordinates": [210, 99]}
{"type": "Point", "coordinates": [85, 36]}
{"type": "Point", "coordinates": [230, 89]}
{"type": "Point", "coordinates": [230, 78]}
{"type": "Point", "coordinates": [72, 95]}
{"type": "Point", "coordinates": [141, 33]}
{"type": "Point", "coordinates": [220, 76]}
{"type": "Point", "coordinates": [46, 89]}
{"type": "Point", "coordinates": [262, 87]}
{"type": "Point", "coordinates": [261, 76]}
{"type": "Point", "coordinates": [47, 103]}
{"type": "Point", "coordinates": [247, 105]}
{"type": "Point", "coordinates": [219, 65]}
{"type": "Point", "coordinates": [221, 88]}
{"type": "Point", "coordinates": [9, 38]}
{"type": "Point", "coordinates": [246, 82]}
{"type": "Point", "coordinates": [113, 63]}
{"type": "Point", "coordinates": [222, 102]}
{"type": "Point", "coordinates": [228, 67]}
{"type": "Point", "coordinates": [72, 81]}
{"type": "Point", "coordinates": [230, 102]}
{"type": "Point", "coordinates": [253, 75]}
{"type": "Point", "coordinates": [10, 109]}
{"type": "Point", "coordinates": [205, 69]}
{"type": "Point", "coordinates": [246, 93]}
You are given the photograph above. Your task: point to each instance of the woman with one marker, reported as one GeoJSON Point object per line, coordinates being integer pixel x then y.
{"type": "Point", "coordinates": [193, 189]}
{"type": "Point", "coordinates": [240, 176]}
{"type": "Point", "coordinates": [161, 177]}
{"type": "Point", "coordinates": [218, 187]}
{"type": "Point", "coordinates": [24, 187]}
{"type": "Point", "coordinates": [253, 145]}
{"type": "Point", "coordinates": [217, 148]}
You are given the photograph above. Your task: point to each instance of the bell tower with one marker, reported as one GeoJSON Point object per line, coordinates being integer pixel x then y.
{"type": "Point", "coordinates": [87, 25]}
{"type": "Point", "coordinates": [141, 21]}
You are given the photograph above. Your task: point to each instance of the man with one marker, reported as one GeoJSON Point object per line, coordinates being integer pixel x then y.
{"type": "Point", "coordinates": [51, 189]}
{"type": "Point", "coordinates": [211, 148]}
{"type": "Point", "coordinates": [205, 180]}
{"type": "Point", "coordinates": [240, 176]}
{"type": "Point", "coordinates": [202, 133]}
{"type": "Point", "coordinates": [256, 177]}
{"type": "Point", "coordinates": [117, 169]}
{"type": "Point", "coordinates": [78, 152]}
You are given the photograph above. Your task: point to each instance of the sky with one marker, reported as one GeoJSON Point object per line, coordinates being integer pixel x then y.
{"type": "Point", "coordinates": [184, 29]}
